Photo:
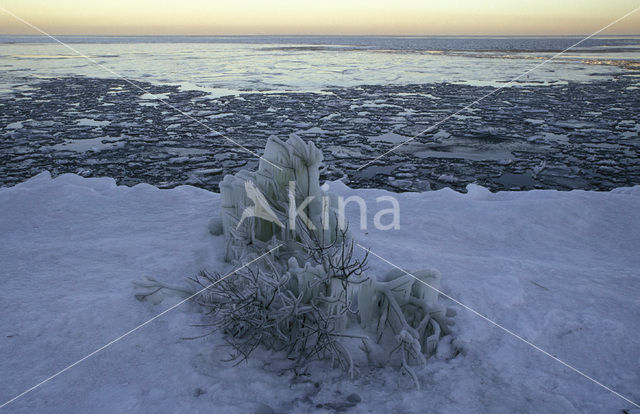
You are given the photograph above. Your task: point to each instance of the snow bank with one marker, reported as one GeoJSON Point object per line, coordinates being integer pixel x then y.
{"type": "Point", "coordinates": [558, 268]}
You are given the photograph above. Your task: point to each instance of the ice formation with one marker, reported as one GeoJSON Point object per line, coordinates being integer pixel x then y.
{"type": "Point", "coordinates": [317, 264]}
{"type": "Point", "coordinates": [257, 206]}
{"type": "Point", "coordinates": [312, 295]}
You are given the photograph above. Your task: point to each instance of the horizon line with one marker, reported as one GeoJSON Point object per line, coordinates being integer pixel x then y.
{"type": "Point", "coordinates": [319, 35]}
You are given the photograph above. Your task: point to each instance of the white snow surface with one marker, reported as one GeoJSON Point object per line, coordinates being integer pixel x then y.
{"type": "Point", "coordinates": [559, 269]}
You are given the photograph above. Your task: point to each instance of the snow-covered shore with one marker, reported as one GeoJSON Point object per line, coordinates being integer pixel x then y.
{"type": "Point", "coordinates": [558, 268]}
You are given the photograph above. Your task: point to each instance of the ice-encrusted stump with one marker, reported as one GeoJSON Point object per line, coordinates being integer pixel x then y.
{"type": "Point", "coordinates": [256, 206]}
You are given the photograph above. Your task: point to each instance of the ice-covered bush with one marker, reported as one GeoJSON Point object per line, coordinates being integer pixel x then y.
{"type": "Point", "coordinates": [302, 310]}
{"type": "Point", "coordinates": [313, 296]}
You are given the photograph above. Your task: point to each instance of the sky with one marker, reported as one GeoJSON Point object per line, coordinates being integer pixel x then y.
{"type": "Point", "coordinates": [328, 17]}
